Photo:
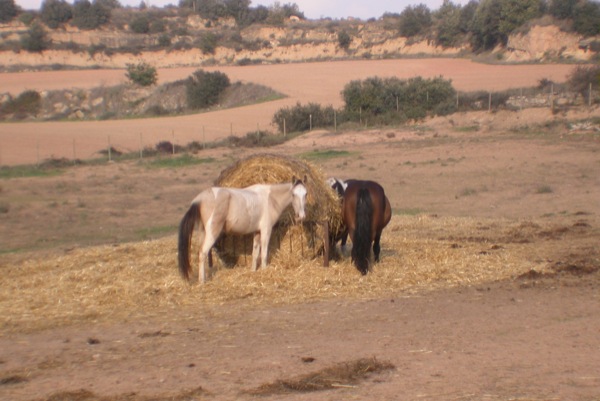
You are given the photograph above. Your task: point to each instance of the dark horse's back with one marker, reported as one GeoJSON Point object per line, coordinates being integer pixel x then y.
{"type": "Point", "coordinates": [365, 213]}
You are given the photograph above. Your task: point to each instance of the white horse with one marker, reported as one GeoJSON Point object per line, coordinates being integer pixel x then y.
{"type": "Point", "coordinates": [251, 210]}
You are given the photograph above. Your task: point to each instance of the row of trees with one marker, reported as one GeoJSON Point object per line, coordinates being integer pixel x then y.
{"type": "Point", "coordinates": [483, 23]}
{"type": "Point", "coordinates": [487, 23]}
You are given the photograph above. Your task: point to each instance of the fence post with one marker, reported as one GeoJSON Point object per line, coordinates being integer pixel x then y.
{"type": "Point", "coordinates": [310, 122]}
{"type": "Point", "coordinates": [335, 120]}
{"type": "Point", "coordinates": [490, 102]}
{"type": "Point", "coordinates": [284, 128]}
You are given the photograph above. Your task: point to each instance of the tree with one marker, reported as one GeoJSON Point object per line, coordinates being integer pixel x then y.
{"type": "Point", "coordinates": [485, 25]}
{"type": "Point", "coordinates": [54, 13]}
{"type": "Point", "coordinates": [36, 39]}
{"type": "Point", "coordinates": [562, 9]}
{"type": "Point", "coordinates": [415, 20]}
{"type": "Point", "coordinates": [514, 13]}
{"type": "Point", "coordinates": [203, 89]}
{"type": "Point", "coordinates": [88, 15]}
{"type": "Point", "coordinates": [239, 10]}
{"type": "Point", "coordinates": [8, 10]}
{"type": "Point", "coordinates": [449, 18]}
{"type": "Point", "coordinates": [142, 74]}
{"type": "Point", "coordinates": [586, 18]}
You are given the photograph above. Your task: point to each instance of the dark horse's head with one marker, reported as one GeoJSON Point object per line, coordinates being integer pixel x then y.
{"type": "Point", "coordinates": [337, 185]}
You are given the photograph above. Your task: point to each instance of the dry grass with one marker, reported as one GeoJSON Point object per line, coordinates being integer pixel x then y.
{"type": "Point", "coordinates": [135, 280]}
{"type": "Point", "coordinates": [346, 374]}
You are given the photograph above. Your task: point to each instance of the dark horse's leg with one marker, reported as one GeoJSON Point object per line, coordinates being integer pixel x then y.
{"type": "Point", "coordinates": [376, 246]}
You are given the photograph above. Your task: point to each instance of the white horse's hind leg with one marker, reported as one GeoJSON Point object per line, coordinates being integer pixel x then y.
{"type": "Point", "coordinates": [255, 251]}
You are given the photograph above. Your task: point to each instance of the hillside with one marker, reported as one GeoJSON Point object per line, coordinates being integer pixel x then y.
{"type": "Point", "coordinates": [297, 41]}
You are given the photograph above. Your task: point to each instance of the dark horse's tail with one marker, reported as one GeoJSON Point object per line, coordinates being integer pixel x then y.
{"type": "Point", "coordinates": [361, 243]}
{"type": "Point", "coordinates": [186, 228]}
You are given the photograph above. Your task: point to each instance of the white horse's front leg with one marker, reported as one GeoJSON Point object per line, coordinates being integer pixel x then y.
{"type": "Point", "coordinates": [264, 247]}
{"type": "Point", "coordinates": [255, 250]}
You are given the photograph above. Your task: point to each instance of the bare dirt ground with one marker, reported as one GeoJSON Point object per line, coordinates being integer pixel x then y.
{"type": "Point", "coordinates": [523, 183]}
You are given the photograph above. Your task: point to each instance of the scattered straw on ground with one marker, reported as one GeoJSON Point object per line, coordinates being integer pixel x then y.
{"type": "Point", "coordinates": [345, 374]}
{"type": "Point", "coordinates": [142, 279]}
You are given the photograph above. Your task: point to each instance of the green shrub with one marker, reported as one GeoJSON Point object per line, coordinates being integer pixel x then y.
{"type": "Point", "coordinates": [203, 89]}
{"type": "Point", "coordinates": [391, 99]}
{"type": "Point", "coordinates": [36, 39]}
{"type": "Point", "coordinates": [582, 77]}
{"type": "Point", "coordinates": [303, 117]}
{"type": "Point", "coordinates": [27, 103]}
{"type": "Point", "coordinates": [164, 40]}
{"type": "Point", "coordinates": [140, 24]}
{"type": "Point", "coordinates": [142, 74]}
{"type": "Point", "coordinates": [207, 42]}
{"type": "Point", "coordinates": [344, 40]}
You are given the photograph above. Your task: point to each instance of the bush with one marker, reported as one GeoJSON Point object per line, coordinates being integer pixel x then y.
{"type": "Point", "coordinates": [582, 77]}
{"type": "Point", "coordinates": [164, 40]}
{"type": "Point", "coordinates": [36, 39]}
{"type": "Point", "coordinates": [203, 89]}
{"type": "Point", "coordinates": [384, 100]}
{"type": "Point", "coordinates": [140, 24]}
{"type": "Point", "coordinates": [344, 40]}
{"type": "Point", "coordinates": [208, 43]}
{"type": "Point", "coordinates": [28, 102]}
{"type": "Point", "coordinates": [142, 74]}
{"type": "Point", "coordinates": [300, 117]}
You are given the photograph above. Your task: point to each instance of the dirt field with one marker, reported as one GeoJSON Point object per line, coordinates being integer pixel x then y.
{"type": "Point", "coordinates": [303, 82]}
{"type": "Point", "coordinates": [488, 286]}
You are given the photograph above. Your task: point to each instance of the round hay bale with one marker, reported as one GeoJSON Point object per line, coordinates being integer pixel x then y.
{"type": "Point", "coordinates": [290, 243]}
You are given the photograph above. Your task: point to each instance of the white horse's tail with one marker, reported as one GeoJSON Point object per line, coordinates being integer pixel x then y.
{"type": "Point", "coordinates": [186, 229]}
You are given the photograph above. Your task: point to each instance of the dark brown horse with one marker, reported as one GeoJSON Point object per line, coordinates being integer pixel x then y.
{"type": "Point", "coordinates": [365, 213]}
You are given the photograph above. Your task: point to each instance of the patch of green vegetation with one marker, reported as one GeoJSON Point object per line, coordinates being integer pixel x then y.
{"type": "Point", "coordinates": [28, 170]}
{"type": "Point", "coordinates": [177, 161]}
{"type": "Point", "coordinates": [544, 189]}
{"type": "Point", "coordinates": [467, 128]}
{"type": "Point", "coordinates": [155, 232]}
{"type": "Point", "coordinates": [326, 154]}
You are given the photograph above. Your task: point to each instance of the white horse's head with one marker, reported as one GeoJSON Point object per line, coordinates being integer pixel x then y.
{"type": "Point", "coordinates": [299, 193]}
